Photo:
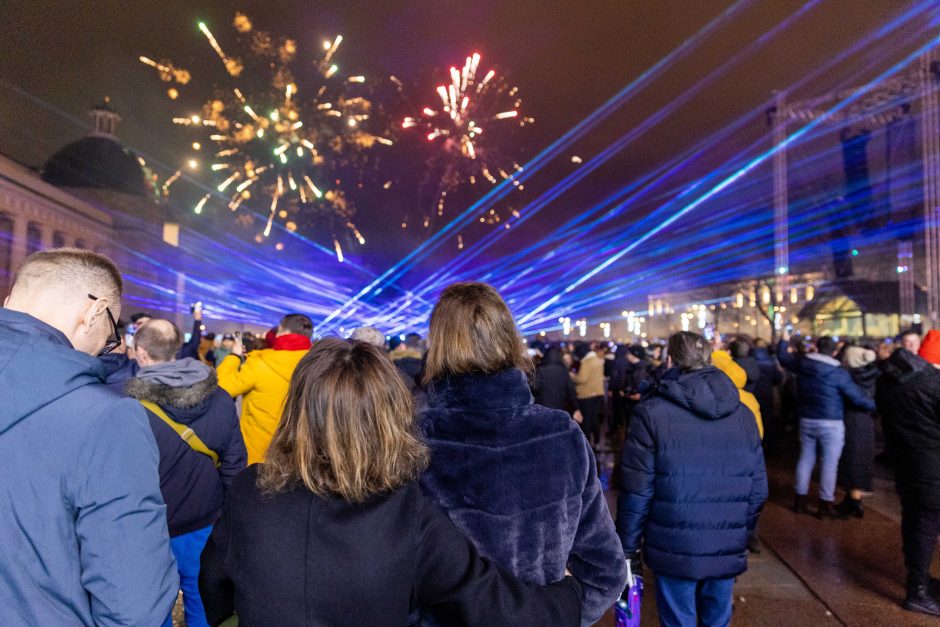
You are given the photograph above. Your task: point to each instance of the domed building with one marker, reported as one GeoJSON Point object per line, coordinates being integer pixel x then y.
{"type": "Point", "coordinates": [97, 194]}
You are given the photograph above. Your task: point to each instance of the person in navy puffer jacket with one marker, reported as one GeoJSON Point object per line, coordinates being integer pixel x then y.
{"type": "Point", "coordinates": [824, 388]}
{"type": "Point", "coordinates": [694, 483]}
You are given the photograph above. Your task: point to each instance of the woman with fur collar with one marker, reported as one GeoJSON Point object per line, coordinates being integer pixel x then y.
{"type": "Point", "coordinates": [518, 479]}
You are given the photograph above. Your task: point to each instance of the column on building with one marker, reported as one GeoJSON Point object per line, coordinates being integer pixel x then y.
{"type": "Point", "coordinates": [18, 254]}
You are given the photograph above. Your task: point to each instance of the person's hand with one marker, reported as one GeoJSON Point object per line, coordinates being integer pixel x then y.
{"type": "Point", "coordinates": [238, 349]}
{"type": "Point", "coordinates": [636, 397]}
{"type": "Point", "coordinates": [578, 417]}
{"type": "Point", "coordinates": [787, 334]}
{"type": "Point", "coordinates": [197, 314]}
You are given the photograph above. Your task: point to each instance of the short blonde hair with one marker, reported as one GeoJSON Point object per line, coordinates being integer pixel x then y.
{"type": "Point", "coordinates": [472, 330]}
{"type": "Point", "coordinates": [347, 429]}
{"type": "Point", "coordinates": [71, 268]}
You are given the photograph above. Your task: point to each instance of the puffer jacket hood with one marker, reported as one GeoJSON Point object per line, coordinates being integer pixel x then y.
{"type": "Point", "coordinates": [707, 393]}
{"type": "Point", "coordinates": [45, 364]}
{"type": "Point", "coordinates": [904, 366]}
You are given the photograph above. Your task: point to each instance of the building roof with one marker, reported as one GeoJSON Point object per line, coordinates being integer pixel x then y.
{"type": "Point", "coordinates": [871, 297]}
{"type": "Point", "coordinates": [97, 162]}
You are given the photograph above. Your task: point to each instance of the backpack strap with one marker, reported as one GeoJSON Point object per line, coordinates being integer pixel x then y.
{"type": "Point", "coordinates": [188, 435]}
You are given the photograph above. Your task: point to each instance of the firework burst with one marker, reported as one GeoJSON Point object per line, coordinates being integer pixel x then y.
{"type": "Point", "coordinates": [283, 133]}
{"type": "Point", "coordinates": [473, 119]}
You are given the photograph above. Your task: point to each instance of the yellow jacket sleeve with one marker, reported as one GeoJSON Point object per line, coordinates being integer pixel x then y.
{"type": "Point", "coordinates": [236, 377]}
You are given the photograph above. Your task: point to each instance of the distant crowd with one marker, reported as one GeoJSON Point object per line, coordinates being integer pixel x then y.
{"type": "Point", "coordinates": [451, 479]}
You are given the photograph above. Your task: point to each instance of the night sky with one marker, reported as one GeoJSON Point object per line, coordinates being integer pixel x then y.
{"type": "Point", "coordinates": [58, 58]}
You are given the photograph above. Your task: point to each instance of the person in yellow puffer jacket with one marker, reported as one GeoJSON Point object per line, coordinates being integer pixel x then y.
{"type": "Point", "coordinates": [723, 361]}
{"type": "Point", "coordinates": [263, 377]}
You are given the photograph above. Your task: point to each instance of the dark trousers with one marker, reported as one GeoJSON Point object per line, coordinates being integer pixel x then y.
{"type": "Point", "coordinates": [920, 529]}
{"type": "Point", "coordinates": [619, 409]}
{"type": "Point", "coordinates": [591, 411]}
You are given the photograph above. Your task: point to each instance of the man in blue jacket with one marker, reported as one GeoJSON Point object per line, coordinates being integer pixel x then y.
{"type": "Point", "coordinates": [187, 392]}
{"type": "Point", "coordinates": [83, 537]}
{"type": "Point", "coordinates": [693, 486]}
{"type": "Point", "coordinates": [824, 387]}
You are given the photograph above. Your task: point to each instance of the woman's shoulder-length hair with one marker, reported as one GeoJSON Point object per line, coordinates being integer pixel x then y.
{"type": "Point", "coordinates": [472, 330]}
{"type": "Point", "coordinates": [347, 429]}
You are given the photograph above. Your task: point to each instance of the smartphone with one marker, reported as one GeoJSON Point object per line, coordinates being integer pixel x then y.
{"type": "Point", "coordinates": [789, 329]}
{"type": "Point", "coordinates": [197, 306]}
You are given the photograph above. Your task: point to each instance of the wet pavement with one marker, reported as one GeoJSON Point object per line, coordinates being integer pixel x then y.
{"type": "Point", "coordinates": [814, 572]}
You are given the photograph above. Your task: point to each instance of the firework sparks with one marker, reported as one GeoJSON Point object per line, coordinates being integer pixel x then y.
{"type": "Point", "coordinates": [470, 122]}
{"type": "Point", "coordinates": [279, 142]}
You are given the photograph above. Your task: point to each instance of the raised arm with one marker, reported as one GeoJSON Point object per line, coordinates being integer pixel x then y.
{"type": "Point", "coordinates": [235, 376]}
{"type": "Point", "coordinates": [786, 359]}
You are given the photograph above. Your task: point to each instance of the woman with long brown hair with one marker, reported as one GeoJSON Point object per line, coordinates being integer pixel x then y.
{"type": "Point", "coordinates": [519, 479]}
{"type": "Point", "coordinates": [333, 530]}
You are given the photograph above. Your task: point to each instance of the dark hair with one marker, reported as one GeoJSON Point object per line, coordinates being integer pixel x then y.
{"type": "Point", "coordinates": [296, 323]}
{"type": "Point", "coordinates": [347, 429]}
{"type": "Point", "coordinates": [826, 345]}
{"type": "Point", "coordinates": [413, 340]}
{"type": "Point", "coordinates": [907, 332]}
{"type": "Point", "coordinates": [140, 315]}
{"type": "Point", "coordinates": [689, 351]}
{"type": "Point", "coordinates": [472, 330]}
{"type": "Point", "coordinates": [740, 348]}
{"type": "Point", "coordinates": [160, 338]}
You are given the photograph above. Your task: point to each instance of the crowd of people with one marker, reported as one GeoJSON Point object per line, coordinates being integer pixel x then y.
{"type": "Point", "coordinates": [402, 480]}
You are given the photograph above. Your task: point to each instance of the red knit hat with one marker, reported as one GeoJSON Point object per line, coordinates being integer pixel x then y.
{"type": "Point", "coordinates": [930, 347]}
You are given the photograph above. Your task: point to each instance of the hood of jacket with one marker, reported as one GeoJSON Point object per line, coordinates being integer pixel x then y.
{"type": "Point", "coordinates": [866, 377]}
{"type": "Point", "coordinates": [185, 403]}
{"type": "Point", "coordinates": [707, 393]}
{"type": "Point", "coordinates": [38, 366]}
{"type": "Point", "coordinates": [904, 366]}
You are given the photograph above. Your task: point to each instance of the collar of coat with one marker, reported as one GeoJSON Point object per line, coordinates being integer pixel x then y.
{"type": "Point", "coordinates": [481, 391]}
{"type": "Point", "coordinates": [825, 359]}
{"type": "Point", "coordinates": [166, 396]}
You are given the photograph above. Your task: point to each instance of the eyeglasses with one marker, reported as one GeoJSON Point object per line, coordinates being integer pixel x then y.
{"type": "Point", "coordinates": [115, 340]}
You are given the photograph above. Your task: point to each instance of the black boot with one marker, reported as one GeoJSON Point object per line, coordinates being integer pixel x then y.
{"type": "Point", "coordinates": [851, 507]}
{"type": "Point", "coordinates": [799, 505]}
{"type": "Point", "coordinates": [826, 510]}
{"type": "Point", "coordinates": [919, 600]}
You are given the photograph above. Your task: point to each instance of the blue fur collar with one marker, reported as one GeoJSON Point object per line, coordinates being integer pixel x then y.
{"type": "Point", "coordinates": [509, 388]}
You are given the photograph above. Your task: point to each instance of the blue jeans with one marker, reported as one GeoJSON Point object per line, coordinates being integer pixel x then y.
{"type": "Point", "coordinates": [187, 548]}
{"type": "Point", "coordinates": [690, 602]}
{"type": "Point", "coordinates": [829, 437]}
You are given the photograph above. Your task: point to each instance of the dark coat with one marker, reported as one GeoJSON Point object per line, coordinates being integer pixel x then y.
{"type": "Point", "coordinates": [553, 386]}
{"type": "Point", "coordinates": [521, 482]}
{"type": "Point", "coordinates": [410, 369]}
{"type": "Point", "coordinates": [908, 396]}
{"type": "Point", "coordinates": [823, 388]}
{"type": "Point", "coordinates": [191, 348]}
{"type": "Point", "coordinates": [295, 558]}
{"type": "Point", "coordinates": [118, 369]}
{"type": "Point", "coordinates": [753, 371]}
{"type": "Point", "coordinates": [770, 377]}
{"type": "Point", "coordinates": [857, 463]}
{"type": "Point", "coordinates": [82, 524]}
{"type": "Point", "coordinates": [693, 478]}
{"type": "Point", "coordinates": [191, 485]}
